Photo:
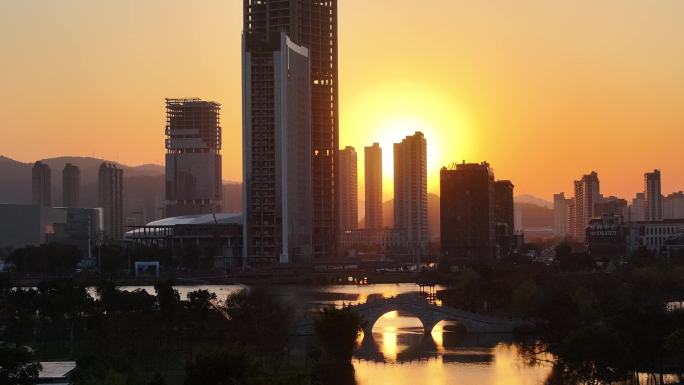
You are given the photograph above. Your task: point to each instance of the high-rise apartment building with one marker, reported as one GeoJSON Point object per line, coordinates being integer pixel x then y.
{"type": "Point", "coordinates": [673, 206]}
{"type": "Point", "coordinates": [41, 184]}
{"type": "Point", "coordinates": [193, 157]}
{"type": "Point", "coordinates": [349, 196]}
{"type": "Point", "coordinates": [373, 186]}
{"type": "Point", "coordinates": [410, 193]}
{"type": "Point", "coordinates": [636, 210]}
{"type": "Point", "coordinates": [467, 211]}
{"type": "Point", "coordinates": [504, 206]}
{"type": "Point", "coordinates": [610, 206]}
{"type": "Point", "coordinates": [110, 199]}
{"type": "Point", "coordinates": [71, 186]}
{"type": "Point", "coordinates": [560, 215]}
{"type": "Point", "coordinates": [306, 29]}
{"type": "Point", "coordinates": [587, 194]}
{"type": "Point", "coordinates": [653, 208]}
{"type": "Point", "coordinates": [277, 151]}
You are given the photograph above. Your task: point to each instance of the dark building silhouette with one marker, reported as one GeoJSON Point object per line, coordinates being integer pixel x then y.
{"type": "Point", "coordinates": [410, 193]}
{"type": "Point", "coordinates": [504, 216]}
{"type": "Point", "coordinates": [71, 186]}
{"type": "Point", "coordinates": [653, 206]}
{"type": "Point", "coordinates": [373, 187]}
{"type": "Point", "coordinates": [610, 206]}
{"type": "Point", "coordinates": [110, 199]}
{"type": "Point", "coordinates": [41, 184]}
{"type": "Point", "coordinates": [349, 195]}
{"type": "Point", "coordinates": [310, 30]}
{"type": "Point", "coordinates": [467, 216]}
{"type": "Point", "coordinates": [193, 157]}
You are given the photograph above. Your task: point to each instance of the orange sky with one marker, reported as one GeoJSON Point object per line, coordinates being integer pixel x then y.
{"type": "Point", "coordinates": [543, 90]}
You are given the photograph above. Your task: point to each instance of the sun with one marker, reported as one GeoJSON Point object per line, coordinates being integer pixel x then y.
{"type": "Point", "coordinates": [387, 113]}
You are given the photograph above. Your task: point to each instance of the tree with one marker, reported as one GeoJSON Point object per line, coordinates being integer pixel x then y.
{"type": "Point", "coordinates": [527, 300]}
{"type": "Point", "coordinates": [199, 305]}
{"type": "Point", "coordinates": [338, 330]}
{"type": "Point", "coordinates": [260, 320]}
{"type": "Point", "coordinates": [17, 366]}
{"type": "Point", "coordinates": [221, 367]}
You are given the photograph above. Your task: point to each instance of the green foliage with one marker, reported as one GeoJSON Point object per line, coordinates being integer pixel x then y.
{"type": "Point", "coordinates": [527, 300]}
{"type": "Point", "coordinates": [221, 367]}
{"type": "Point", "coordinates": [51, 257]}
{"type": "Point", "coordinates": [338, 330]}
{"type": "Point", "coordinates": [17, 366]}
{"type": "Point", "coordinates": [260, 320]}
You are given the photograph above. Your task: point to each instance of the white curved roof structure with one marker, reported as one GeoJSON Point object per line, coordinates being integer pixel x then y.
{"type": "Point", "coordinates": [199, 219]}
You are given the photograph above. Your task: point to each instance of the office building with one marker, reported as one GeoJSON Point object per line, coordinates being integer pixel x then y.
{"type": "Point", "coordinates": [277, 147]}
{"type": "Point", "coordinates": [561, 207]}
{"type": "Point", "coordinates": [587, 194]}
{"type": "Point", "coordinates": [193, 157]}
{"type": "Point", "coordinates": [349, 196]}
{"type": "Point", "coordinates": [467, 211]}
{"type": "Point", "coordinates": [310, 29]}
{"type": "Point", "coordinates": [410, 193]}
{"type": "Point", "coordinates": [71, 186]}
{"type": "Point", "coordinates": [653, 209]}
{"type": "Point", "coordinates": [110, 199]}
{"type": "Point", "coordinates": [41, 185]}
{"type": "Point", "coordinates": [373, 186]}
{"type": "Point", "coordinates": [32, 225]}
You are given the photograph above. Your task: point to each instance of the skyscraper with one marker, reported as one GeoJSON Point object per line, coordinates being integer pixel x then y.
{"type": "Point", "coordinates": [71, 186]}
{"type": "Point", "coordinates": [276, 150]}
{"type": "Point", "coordinates": [410, 192]}
{"type": "Point", "coordinates": [349, 196]}
{"type": "Point", "coordinates": [193, 157]}
{"type": "Point", "coordinates": [373, 186]}
{"type": "Point", "coordinates": [41, 184]}
{"type": "Point", "coordinates": [309, 24]}
{"type": "Point", "coordinates": [504, 210]}
{"type": "Point", "coordinates": [110, 199]}
{"type": "Point", "coordinates": [560, 215]}
{"type": "Point", "coordinates": [653, 207]}
{"type": "Point", "coordinates": [587, 194]}
{"type": "Point", "coordinates": [467, 211]}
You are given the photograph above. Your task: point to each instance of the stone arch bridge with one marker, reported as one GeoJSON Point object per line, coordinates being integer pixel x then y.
{"type": "Point", "coordinates": [430, 315]}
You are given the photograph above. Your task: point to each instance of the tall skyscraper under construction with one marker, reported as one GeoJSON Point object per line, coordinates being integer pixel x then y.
{"type": "Point", "coordinates": [193, 157]}
{"type": "Point", "coordinates": [290, 104]}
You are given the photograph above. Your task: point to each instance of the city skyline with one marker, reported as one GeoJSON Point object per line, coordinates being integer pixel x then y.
{"type": "Point", "coordinates": [477, 111]}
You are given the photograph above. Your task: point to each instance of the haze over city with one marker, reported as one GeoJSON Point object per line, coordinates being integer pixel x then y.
{"type": "Point", "coordinates": [542, 90]}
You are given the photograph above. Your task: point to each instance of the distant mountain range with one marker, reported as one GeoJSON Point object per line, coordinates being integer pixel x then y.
{"type": "Point", "coordinates": [144, 192]}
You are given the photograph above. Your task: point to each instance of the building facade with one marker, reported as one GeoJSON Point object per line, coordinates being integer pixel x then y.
{"type": "Point", "coordinates": [310, 25]}
{"type": "Point", "coordinates": [349, 196]}
{"type": "Point", "coordinates": [587, 194]}
{"type": "Point", "coordinates": [41, 185]}
{"type": "Point", "coordinates": [610, 206]}
{"type": "Point", "coordinates": [653, 209]}
{"type": "Point", "coordinates": [467, 211]}
{"type": "Point", "coordinates": [373, 186]}
{"type": "Point", "coordinates": [193, 157]}
{"type": "Point", "coordinates": [673, 206]}
{"type": "Point", "coordinates": [110, 199]}
{"type": "Point", "coordinates": [410, 193]}
{"type": "Point", "coordinates": [277, 166]}
{"type": "Point", "coordinates": [71, 186]}
{"type": "Point", "coordinates": [561, 209]}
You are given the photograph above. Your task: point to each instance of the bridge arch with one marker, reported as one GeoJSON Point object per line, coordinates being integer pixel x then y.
{"type": "Point", "coordinates": [427, 319]}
